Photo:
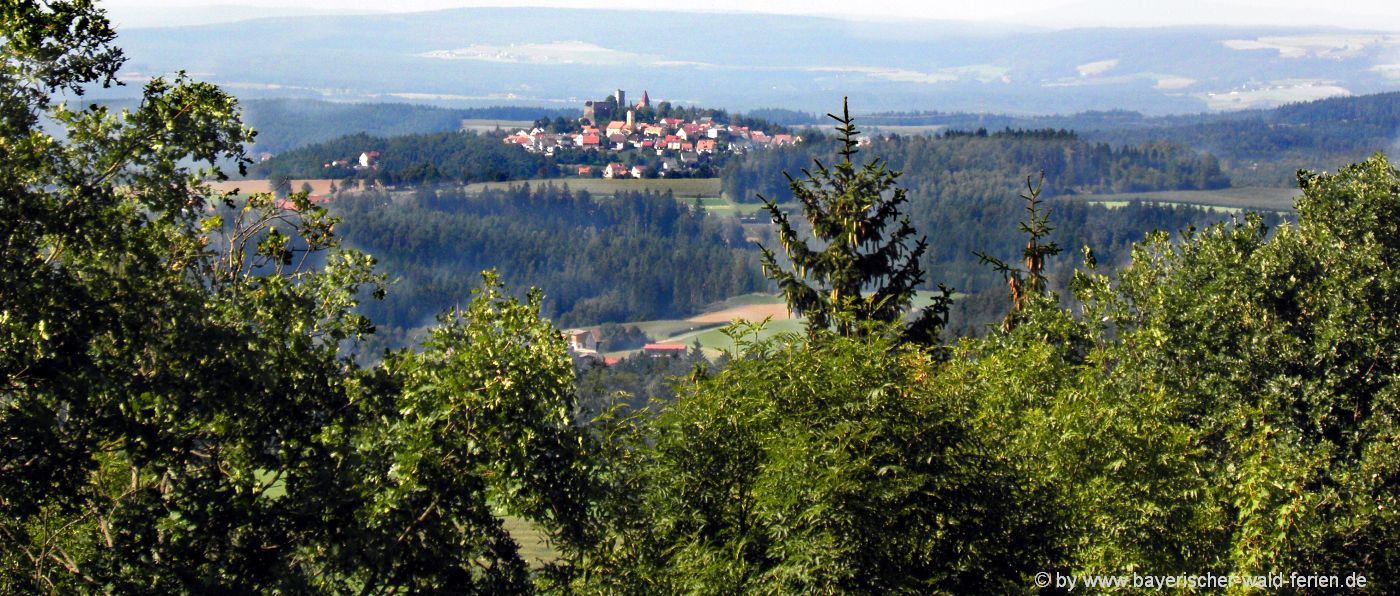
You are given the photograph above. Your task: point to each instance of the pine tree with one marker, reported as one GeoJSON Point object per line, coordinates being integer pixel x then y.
{"type": "Point", "coordinates": [864, 269]}
{"type": "Point", "coordinates": [1026, 284]}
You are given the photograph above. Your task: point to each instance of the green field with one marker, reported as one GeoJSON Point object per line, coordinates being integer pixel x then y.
{"type": "Point", "coordinates": [1226, 199]}
{"type": "Point", "coordinates": [746, 300]}
{"type": "Point", "coordinates": [905, 129]}
{"type": "Point", "coordinates": [723, 206]}
{"type": "Point", "coordinates": [686, 188]}
{"type": "Point", "coordinates": [534, 548]}
{"type": "Point", "coordinates": [714, 341]}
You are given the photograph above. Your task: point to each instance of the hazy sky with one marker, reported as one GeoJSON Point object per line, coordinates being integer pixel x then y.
{"type": "Point", "coordinates": [1368, 14]}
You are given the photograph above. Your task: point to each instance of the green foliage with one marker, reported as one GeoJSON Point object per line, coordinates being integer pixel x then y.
{"type": "Point", "coordinates": [830, 467]}
{"type": "Point", "coordinates": [478, 424]}
{"type": "Point", "coordinates": [177, 412]}
{"type": "Point", "coordinates": [851, 212]}
{"type": "Point", "coordinates": [1227, 405]}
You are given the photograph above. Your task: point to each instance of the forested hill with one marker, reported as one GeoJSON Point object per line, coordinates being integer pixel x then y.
{"type": "Point", "coordinates": [285, 124]}
{"type": "Point", "coordinates": [633, 257]}
{"type": "Point", "coordinates": [1257, 146]}
{"type": "Point", "coordinates": [1268, 146]}
{"type": "Point", "coordinates": [461, 157]}
{"type": "Point", "coordinates": [964, 191]}
{"type": "Point", "coordinates": [980, 163]}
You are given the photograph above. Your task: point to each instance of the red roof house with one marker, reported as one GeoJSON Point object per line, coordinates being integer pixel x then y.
{"type": "Point", "coordinates": [657, 350]}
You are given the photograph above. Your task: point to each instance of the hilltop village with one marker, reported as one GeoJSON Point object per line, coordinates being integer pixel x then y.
{"type": "Point", "coordinates": [614, 139]}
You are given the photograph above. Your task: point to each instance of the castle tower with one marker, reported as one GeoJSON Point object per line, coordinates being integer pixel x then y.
{"type": "Point", "coordinates": [645, 102]}
{"type": "Point", "coordinates": [621, 98]}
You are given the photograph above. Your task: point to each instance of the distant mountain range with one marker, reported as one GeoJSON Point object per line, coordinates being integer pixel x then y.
{"type": "Point", "coordinates": [561, 57]}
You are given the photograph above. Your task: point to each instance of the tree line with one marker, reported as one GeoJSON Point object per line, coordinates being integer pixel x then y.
{"type": "Point", "coordinates": [963, 186]}
{"type": "Point", "coordinates": [436, 158]}
{"type": "Point", "coordinates": [636, 256]}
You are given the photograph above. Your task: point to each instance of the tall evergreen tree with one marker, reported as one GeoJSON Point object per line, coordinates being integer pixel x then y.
{"type": "Point", "coordinates": [1026, 284]}
{"type": "Point", "coordinates": [862, 271]}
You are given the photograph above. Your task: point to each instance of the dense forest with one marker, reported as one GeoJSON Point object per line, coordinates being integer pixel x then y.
{"type": "Point", "coordinates": [966, 164]}
{"type": "Point", "coordinates": [638, 256]}
{"type": "Point", "coordinates": [964, 187]}
{"type": "Point", "coordinates": [461, 157]}
{"type": "Point", "coordinates": [1266, 147]}
{"type": "Point", "coordinates": [1257, 147]}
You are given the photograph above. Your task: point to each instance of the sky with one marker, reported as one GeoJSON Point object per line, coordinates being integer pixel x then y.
{"type": "Point", "coordinates": [1364, 14]}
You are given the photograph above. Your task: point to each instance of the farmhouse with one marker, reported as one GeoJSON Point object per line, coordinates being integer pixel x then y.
{"type": "Point", "coordinates": [582, 339]}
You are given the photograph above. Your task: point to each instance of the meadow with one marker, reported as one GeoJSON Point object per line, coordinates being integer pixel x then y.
{"type": "Point", "coordinates": [1225, 199]}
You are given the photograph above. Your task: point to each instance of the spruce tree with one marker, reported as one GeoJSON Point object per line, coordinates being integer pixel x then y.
{"type": "Point", "coordinates": [864, 266]}
{"type": "Point", "coordinates": [1029, 283]}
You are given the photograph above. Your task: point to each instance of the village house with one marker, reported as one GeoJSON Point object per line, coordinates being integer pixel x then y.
{"type": "Point", "coordinates": [615, 170]}
{"type": "Point", "coordinates": [582, 339]}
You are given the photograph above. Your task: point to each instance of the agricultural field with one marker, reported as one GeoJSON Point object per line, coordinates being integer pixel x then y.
{"type": "Point", "coordinates": [534, 545]}
{"type": "Point", "coordinates": [1226, 199]}
{"type": "Point", "coordinates": [685, 188]}
{"type": "Point", "coordinates": [707, 326]}
{"type": "Point", "coordinates": [320, 186]}
{"type": "Point", "coordinates": [723, 206]}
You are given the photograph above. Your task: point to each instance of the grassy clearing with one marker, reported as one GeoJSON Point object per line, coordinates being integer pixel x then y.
{"type": "Point", "coordinates": [1226, 199]}
{"type": "Point", "coordinates": [1211, 208]}
{"type": "Point", "coordinates": [714, 341]}
{"type": "Point", "coordinates": [667, 330]}
{"type": "Point", "coordinates": [686, 188]}
{"type": "Point", "coordinates": [905, 130]}
{"type": "Point", "coordinates": [746, 300]}
{"type": "Point", "coordinates": [723, 206]}
{"type": "Point", "coordinates": [534, 548]}
{"type": "Point", "coordinates": [924, 298]}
